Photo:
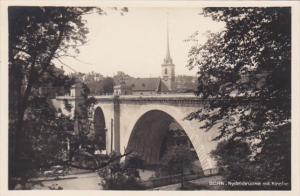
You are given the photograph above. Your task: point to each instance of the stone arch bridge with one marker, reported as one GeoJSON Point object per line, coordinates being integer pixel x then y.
{"type": "Point", "coordinates": [137, 122]}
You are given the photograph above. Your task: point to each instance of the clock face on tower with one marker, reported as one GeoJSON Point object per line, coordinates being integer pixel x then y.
{"type": "Point", "coordinates": [165, 78]}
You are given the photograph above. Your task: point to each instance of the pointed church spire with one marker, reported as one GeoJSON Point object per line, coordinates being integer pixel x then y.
{"type": "Point", "coordinates": [168, 58]}
{"type": "Point", "coordinates": [168, 68]}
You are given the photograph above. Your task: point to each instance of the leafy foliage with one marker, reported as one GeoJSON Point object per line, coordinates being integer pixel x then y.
{"type": "Point", "coordinates": [37, 36]}
{"type": "Point", "coordinates": [120, 176]}
{"type": "Point", "coordinates": [233, 156]}
{"type": "Point", "coordinates": [39, 136]}
{"type": "Point", "coordinates": [245, 73]}
{"type": "Point", "coordinates": [102, 87]}
{"type": "Point", "coordinates": [108, 85]}
{"type": "Point", "coordinates": [176, 159]}
{"type": "Point", "coordinates": [45, 140]}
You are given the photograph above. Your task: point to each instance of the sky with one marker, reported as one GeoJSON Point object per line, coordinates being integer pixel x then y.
{"type": "Point", "coordinates": [135, 42]}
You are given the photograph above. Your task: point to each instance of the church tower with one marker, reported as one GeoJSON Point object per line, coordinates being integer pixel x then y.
{"type": "Point", "coordinates": [168, 68]}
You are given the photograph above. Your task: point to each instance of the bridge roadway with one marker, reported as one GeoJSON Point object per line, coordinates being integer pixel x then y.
{"type": "Point", "coordinates": [137, 122]}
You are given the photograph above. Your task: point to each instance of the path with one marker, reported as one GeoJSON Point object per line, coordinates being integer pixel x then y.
{"type": "Point", "coordinates": [87, 181]}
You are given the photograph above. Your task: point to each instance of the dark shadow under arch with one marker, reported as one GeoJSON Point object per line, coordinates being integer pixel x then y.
{"type": "Point", "coordinates": [100, 128]}
{"type": "Point", "coordinates": [148, 135]}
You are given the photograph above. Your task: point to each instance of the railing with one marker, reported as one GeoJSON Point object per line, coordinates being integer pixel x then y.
{"type": "Point", "coordinates": [173, 179]}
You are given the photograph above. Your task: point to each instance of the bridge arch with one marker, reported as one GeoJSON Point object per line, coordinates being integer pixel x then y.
{"type": "Point", "coordinates": [150, 133]}
{"type": "Point", "coordinates": [100, 128]}
{"type": "Point", "coordinates": [200, 140]}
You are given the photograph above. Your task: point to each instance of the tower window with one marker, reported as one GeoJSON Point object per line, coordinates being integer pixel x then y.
{"type": "Point", "coordinates": [166, 71]}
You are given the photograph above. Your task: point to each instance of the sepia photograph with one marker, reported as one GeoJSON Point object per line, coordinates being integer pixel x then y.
{"type": "Point", "coordinates": [149, 98]}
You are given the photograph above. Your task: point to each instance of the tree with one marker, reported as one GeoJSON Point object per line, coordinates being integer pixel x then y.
{"type": "Point", "coordinates": [38, 134]}
{"type": "Point", "coordinates": [108, 85]}
{"type": "Point", "coordinates": [120, 176]}
{"type": "Point", "coordinates": [121, 77]}
{"type": "Point", "coordinates": [245, 73]}
{"type": "Point", "coordinates": [176, 159]}
{"type": "Point", "coordinates": [233, 156]}
{"type": "Point", "coordinates": [37, 36]}
{"type": "Point", "coordinates": [103, 86]}
{"type": "Point", "coordinates": [45, 140]}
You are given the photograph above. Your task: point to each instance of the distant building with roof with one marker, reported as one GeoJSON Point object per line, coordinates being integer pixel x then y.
{"type": "Point", "coordinates": [141, 86]}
